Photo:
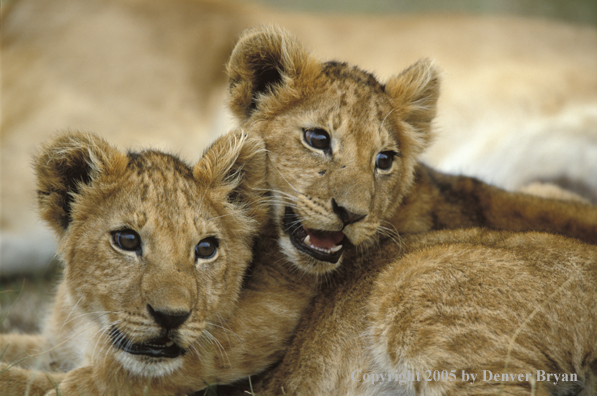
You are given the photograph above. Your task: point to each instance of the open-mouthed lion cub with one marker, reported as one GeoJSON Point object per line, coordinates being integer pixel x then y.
{"type": "Point", "coordinates": [343, 156]}
{"type": "Point", "coordinates": [154, 255]}
{"type": "Point", "coordinates": [343, 151]}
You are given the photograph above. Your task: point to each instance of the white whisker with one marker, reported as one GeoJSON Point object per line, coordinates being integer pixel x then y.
{"type": "Point", "coordinates": [278, 170]}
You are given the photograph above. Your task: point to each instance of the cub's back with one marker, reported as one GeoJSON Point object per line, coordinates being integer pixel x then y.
{"type": "Point", "coordinates": [467, 300]}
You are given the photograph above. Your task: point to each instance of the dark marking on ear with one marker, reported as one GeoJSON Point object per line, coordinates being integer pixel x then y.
{"type": "Point", "coordinates": [73, 177]}
{"type": "Point", "coordinates": [266, 80]}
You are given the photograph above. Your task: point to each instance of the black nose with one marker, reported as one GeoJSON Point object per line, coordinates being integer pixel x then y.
{"type": "Point", "coordinates": [344, 215]}
{"type": "Point", "coordinates": [168, 320]}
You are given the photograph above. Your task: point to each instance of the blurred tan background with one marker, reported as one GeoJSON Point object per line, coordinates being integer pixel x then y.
{"type": "Point", "coordinates": [575, 11]}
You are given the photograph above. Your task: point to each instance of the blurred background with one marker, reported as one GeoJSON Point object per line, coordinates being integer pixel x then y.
{"type": "Point", "coordinates": [579, 11]}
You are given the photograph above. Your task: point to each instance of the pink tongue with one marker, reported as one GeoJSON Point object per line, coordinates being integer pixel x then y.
{"type": "Point", "coordinates": [325, 239]}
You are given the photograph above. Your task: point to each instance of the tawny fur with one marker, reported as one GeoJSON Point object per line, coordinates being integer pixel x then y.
{"type": "Point", "coordinates": [340, 334]}
{"type": "Point", "coordinates": [273, 290]}
{"type": "Point", "coordinates": [463, 300]}
{"type": "Point", "coordinates": [278, 91]}
{"type": "Point", "coordinates": [89, 190]}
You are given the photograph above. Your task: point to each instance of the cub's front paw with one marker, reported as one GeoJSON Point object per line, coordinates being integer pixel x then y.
{"type": "Point", "coordinates": [15, 380]}
{"type": "Point", "coordinates": [78, 382]}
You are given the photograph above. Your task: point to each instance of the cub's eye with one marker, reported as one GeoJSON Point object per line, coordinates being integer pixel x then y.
{"type": "Point", "coordinates": [317, 138]}
{"type": "Point", "coordinates": [384, 160]}
{"type": "Point", "coordinates": [207, 248]}
{"type": "Point", "coordinates": [127, 240]}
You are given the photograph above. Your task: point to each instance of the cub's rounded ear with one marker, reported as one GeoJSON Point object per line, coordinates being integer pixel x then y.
{"type": "Point", "coordinates": [233, 168]}
{"type": "Point", "coordinates": [414, 94]}
{"type": "Point", "coordinates": [64, 166]}
{"type": "Point", "coordinates": [263, 60]}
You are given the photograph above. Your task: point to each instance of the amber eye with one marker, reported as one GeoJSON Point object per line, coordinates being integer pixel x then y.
{"type": "Point", "coordinates": [384, 160]}
{"type": "Point", "coordinates": [127, 240]}
{"type": "Point", "coordinates": [317, 138]}
{"type": "Point", "coordinates": [207, 248]}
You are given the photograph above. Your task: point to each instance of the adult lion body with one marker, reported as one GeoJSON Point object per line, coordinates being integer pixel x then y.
{"type": "Point", "coordinates": [518, 102]}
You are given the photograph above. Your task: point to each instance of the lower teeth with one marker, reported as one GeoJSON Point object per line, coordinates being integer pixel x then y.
{"type": "Point", "coordinates": [307, 242]}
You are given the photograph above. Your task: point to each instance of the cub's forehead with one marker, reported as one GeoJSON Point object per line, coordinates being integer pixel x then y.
{"type": "Point", "coordinates": [152, 163]}
{"type": "Point", "coordinates": [354, 102]}
{"type": "Point", "coordinates": [163, 182]}
{"type": "Point", "coordinates": [341, 73]}
{"type": "Point", "coordinates": [352, 92]}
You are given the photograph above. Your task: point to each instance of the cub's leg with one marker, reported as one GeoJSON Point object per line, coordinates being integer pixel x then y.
{"type": "Point", "coordinates": [441, 201]}
{"type": "Point", "coordinates": [25, 365]}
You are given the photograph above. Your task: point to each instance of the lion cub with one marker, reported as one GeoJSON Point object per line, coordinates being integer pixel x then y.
{"type": "Point", "coordinates": [351, 194]}
{"type": "Point", "coordinates": [154, 255]}
{"type": "Point", "coordinates": [344, 152]}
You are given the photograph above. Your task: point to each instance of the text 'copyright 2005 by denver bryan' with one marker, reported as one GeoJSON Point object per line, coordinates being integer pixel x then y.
{"type": "Point", "coordinates": [461, 375]}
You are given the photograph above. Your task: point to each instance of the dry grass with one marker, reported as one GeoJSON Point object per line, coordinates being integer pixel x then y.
{"type": "Point", "coordinates": [25, 299]}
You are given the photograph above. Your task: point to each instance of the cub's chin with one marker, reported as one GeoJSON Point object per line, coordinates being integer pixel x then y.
{"type": "Point", "coordinates": [150, 367]}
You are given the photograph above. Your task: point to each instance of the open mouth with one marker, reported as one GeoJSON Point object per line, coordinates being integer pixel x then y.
{"type": "Point", "coordinates": [161, 347]}
{"type": "Point", "coordinates": [321, 245]}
